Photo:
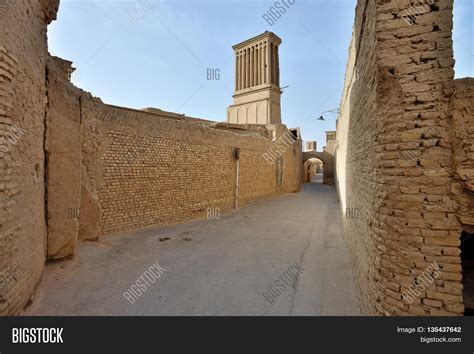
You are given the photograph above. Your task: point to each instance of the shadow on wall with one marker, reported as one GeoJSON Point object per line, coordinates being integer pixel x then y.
{"type": "Point", "coordinates": [467, 258]}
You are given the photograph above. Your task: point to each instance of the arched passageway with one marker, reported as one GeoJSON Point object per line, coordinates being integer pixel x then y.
{"type": "Point", "coordinates": [327, 161]}
{"type": "Point", "coordinates": [312, 170]}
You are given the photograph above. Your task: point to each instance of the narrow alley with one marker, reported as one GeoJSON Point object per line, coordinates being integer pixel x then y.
{"type": "Point", "coordinates": [214, 267]}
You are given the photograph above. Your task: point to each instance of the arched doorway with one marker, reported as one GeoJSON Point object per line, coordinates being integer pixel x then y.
{"type": "Point", "coordinates": [327, 161]}
{"type": "Point", "coordinates": [313, 170]}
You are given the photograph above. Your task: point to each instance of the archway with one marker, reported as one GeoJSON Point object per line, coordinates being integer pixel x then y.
{"type": "Point", "coordinates": [312, 170]}
{"type": "Point", "coordinates": [327, 161]}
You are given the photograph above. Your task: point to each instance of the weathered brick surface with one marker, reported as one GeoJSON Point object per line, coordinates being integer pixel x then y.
{"type": "Point", "coordinates": [126, 170]}
{"type": "Point", "coordinates": [63, 149]}
{"type": "Point", "coordinates": [395, 158]}
{"type": "Point", "coordinates": [23, 55]}
{"type": "Point", "coordinates": [355, 157]}
{"type": "Point", "coordinates": [462, 132]}
{"type": "Point", "coordinates": [150, 170]}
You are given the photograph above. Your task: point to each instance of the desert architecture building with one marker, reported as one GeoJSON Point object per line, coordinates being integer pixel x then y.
{"type": "Point", "coordinates": [311, 146]}
{"type": "Point", "coordinates": [80, 168]}
{"type": "Point", "coordinates": [314, 161]}
{"type": "Point", "coordinates": [257, 81]}
{"type": "Point", "coordinates": [312, 165]}
{"type": "Point", "coordinates": [74, 168]}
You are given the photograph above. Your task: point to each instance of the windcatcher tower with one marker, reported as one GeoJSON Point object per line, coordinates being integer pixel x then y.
{"type": "Point", "coordinates": [257, 81]}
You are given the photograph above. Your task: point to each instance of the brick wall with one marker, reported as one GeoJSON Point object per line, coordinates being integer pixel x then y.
{"type": "Point", "coordinates": [355, 154]}
{"type": "Point", "coordinates": [150, 170]}
{"type": "Point", "coordinates": [72, 167]}
{"type": "Point", "coordinates": [23, 104]}
{"type": "Point", "coordinates": [462, 123]}
{"type": "Point", "coordinates": [395, 159]}
{"type": "Point", "coordinates": [63, 151]}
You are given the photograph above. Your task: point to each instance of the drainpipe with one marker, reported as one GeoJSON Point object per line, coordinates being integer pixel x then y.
{"type": "Point", "coordinates": [237, 158]}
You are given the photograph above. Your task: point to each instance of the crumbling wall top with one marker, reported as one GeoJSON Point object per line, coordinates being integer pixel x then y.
{"type": "Point", "coordinates": [50, 10]}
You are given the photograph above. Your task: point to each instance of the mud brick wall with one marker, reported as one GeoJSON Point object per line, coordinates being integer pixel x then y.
{"type": "Point", "coordinates": [416, 67]}
{"type": "Point", "coordinates": [461, 110]}
{"type": "Point", "coordinates": [63, 151]}
{"type": "Point", "coordinates": [292, 161]}
{"type": "Point", "coordinates": [395, 159]}
{"type": "Point", "coordinates": [74, 168]}
{"type": "Point", "coordinates": [23, 105]}
{"type": "Point", "coordinates": [148, 170]}
{"type": "Point", "coordinates": [356, 159]}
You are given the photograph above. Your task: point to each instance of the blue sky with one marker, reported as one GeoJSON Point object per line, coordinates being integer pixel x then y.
{"type": "Point", "coordinates": [161, 59]}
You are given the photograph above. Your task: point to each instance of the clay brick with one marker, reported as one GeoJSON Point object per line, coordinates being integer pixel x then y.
{"type": "Point", "coordinates": [446, 298]}
{"type": "Point", "coordinates": [459, 308]}
{"type": "Point", "coordinates": [432, 303]}
{"type": "Point", "coordinates": [403, 134]}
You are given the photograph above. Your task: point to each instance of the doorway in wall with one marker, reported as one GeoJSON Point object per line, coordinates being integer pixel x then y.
{"type": "Point", "coordinates": [313, 170]}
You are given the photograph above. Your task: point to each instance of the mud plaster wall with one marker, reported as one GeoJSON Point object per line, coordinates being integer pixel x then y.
{"type": "Point", "coordinates": [143, 170]}
{"type": "Point", "coordinates": [23, 104]}
{"type": "Point", "coordinates": [69, 172]}
{"type": "Point", "coordinates": [63, 149]}
{"type": "Point", "coordinates": [355, 157]}
{"type": "Point", "coordinates": [462, 122]}
{"type": "Point", "coordinates": [395, 125]}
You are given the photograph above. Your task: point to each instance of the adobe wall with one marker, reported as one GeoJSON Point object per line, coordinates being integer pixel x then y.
{"type": "Point", "coordinates": [74, 168]}
{"type": "Point", "coordinates": [146, 170]}
{"type": "Point", "coordinates": [329, 151]}
{"type": "Point", "coordinates": [395, 159]}
{"type": "Point", "coordinates": [355, 154]}
{"type": "Point", "coordinates": [23, 106]}
{"type": "Point", "coordinates": [462, 122]}
{"type": "Point", "coordinates": [113, 169]}
{"type": "Point", "coordinates": [63, 149]}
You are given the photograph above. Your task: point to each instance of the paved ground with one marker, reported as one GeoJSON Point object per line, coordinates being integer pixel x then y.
{"type": "Point", "coordinates": [214, 267]}
{"type": "Point", "coordinates": [317, 178]}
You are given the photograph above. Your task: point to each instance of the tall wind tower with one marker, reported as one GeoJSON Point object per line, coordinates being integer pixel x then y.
{"type": "Point", "coordinates": [257, 81]}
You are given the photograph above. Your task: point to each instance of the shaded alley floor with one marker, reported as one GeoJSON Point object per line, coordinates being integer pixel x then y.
{"type": "Point", "coordinates": [214, 267]}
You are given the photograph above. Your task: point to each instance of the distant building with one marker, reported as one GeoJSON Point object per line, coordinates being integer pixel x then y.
{"type": "Point", "coordinates": [311, 146]}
